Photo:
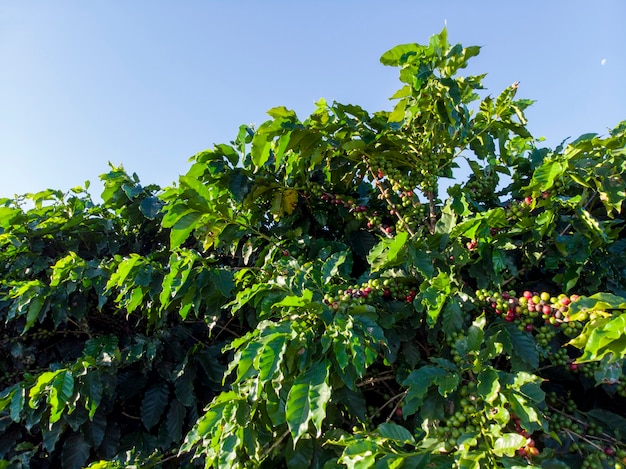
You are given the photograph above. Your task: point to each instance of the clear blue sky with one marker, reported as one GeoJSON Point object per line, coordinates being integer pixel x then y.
{"type": "Point", "coordinates": [147, 84]}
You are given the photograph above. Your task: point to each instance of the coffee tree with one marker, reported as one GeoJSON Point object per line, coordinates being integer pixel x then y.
{"type": "Point", "coordinates": [308, 296]}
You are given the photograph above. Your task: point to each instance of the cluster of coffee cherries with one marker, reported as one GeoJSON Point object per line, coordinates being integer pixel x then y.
{"type": "Point", "coordinates": [413, 211]}
{"type": "Point", "coordinates": [386, 289]}
{"type": "Point", "coordinates": [516, 209]}
{"type": "Point", "coordinates": [404, 204]}
{"type": "Point", "coordinates": [539, 313]}
{"type": "Point", "coordinates": [483, 188]}
{"type": "Point", "coordinates": [469, 417]}
{"type": "Point", "coordinates": [472, 415]}
{"type": "Point", "coordinates": [396, 178]}
{"type": "Point", "coordinates": [529, 449]}
{"type": "Point", "coordinates": [583, 436]}
{"type": "Point", "coordinates": [351, 295]}
{"type": "Point", "coordinates": [372, 218]}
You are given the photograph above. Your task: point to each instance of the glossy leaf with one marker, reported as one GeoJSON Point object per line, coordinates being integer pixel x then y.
{"type": "Point", "coordinates": [508, 444]}
{"type": "Point", "coordinates": [307, 399]}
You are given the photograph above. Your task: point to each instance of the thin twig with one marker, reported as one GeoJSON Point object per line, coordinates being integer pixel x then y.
{"type": "Point", "coordinates": [378, 379]}
{"type": "Point", "coordinates": [277, 442]}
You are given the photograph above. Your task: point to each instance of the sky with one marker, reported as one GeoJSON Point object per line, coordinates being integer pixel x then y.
{"type": "Point", "coordinates": [147, 84]}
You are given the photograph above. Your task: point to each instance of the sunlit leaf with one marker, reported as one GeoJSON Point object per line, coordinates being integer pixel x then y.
{"type": "Point", "coordinates": [307, 400]}
{"type": "Point", "coordinates": [508, 444]}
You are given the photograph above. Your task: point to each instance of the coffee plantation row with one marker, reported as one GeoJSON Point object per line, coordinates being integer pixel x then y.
{"type": "Point", "coordinates": [329, 292]}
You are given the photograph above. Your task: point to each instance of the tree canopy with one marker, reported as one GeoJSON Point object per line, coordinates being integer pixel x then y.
{"type": "Point", "coordinates": [309, 295]}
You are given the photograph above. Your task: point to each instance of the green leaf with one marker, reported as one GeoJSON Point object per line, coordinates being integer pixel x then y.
{"type": "Point", "coordinates": [153, 404]}
{"type": "Point", "coordinates": [606, 338]}
{"type": "Point", "coordinates": [184, 388]}
{"type": "Point", "coordinates": [520, 346]}
{"type": "Point", "coordinates": [63, 385]}
{"type": "Point", "coordinates": [270, 356]}
{"type": "Point", "coordinates": [489, 385]}
{"type": "Point", "coordinates": [281, 112]}
{"type": "Point", "coordinates": [307, 400]}
{"type": "Point", "coordinates": [75, 452]}
{"type": "Point", "coordinates": [546, 174]}
{"type": "Point", "coordinates": [332, 265]}
{"type": "Point", "coordinates": [525, 411]}
{"type": "Point", "coordinates": [447, 383]}
{"type": "Point", "coordinates": [51, 436]}
{"type": "Point", "coordinates": [385, 253]}
{"type": "Point", "coordinates": [175, 420]}
{"type": "Point", "coordinates": [150, 207]}
{"type": "Point", "coordinates": [421, 260]}
{"type": "Point", "coordinates": [198, 192]}
{"type": "Point", "coordinates": [223, 280]}
{"type": "Point", "coordinates": [418, 382]}
{"type": "Point", "coordinates": [399, 55]}
{"type": "Point", "coordinates": [239, 184]}
{"type": "Point", "coordinates": [399, 111]}
{"type": "Point", "coordinates": [34, 309]}
{"type": "Point", "coordinates": [596, 302]}
{"type": "Point", "coordinates": [475, 334]}
{"type": "Point", "coordinates": [447, 221]}
{"type": "Point", "coordinates": [296, 301]}
{"type": "Point", "coordinates": [360, 454]}
{"type": "Point", "coordinates": [395, 432]}
{"type": "Point", "coordinates": [508, 444]}
{"type": "Point", "coordinates": [43, 380]}
{"type": "Point", "coordinates": [433, 295]}
{"type": "Point", "coordinates": [18, 400]}
{"type": "Point", "coordinates": [616, 423]}
{"type": "Point", "coordinates": [452, 316]}
{"type": "Point", "coordinates": [180, 265]}
{"type": "Point", "coordinates": [183, 227]}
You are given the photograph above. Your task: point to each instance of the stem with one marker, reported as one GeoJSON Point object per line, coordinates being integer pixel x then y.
{"type": "Point", "coordinates": [378, 379]}
{"type": "Point", "coordinates": [400, 398]}
{"type": "Point", "coordinates": [603, 437]}
{"type": "Point", "coordinates": [277, 442]}
{"type": "Point", "coordinates": [225, 328]}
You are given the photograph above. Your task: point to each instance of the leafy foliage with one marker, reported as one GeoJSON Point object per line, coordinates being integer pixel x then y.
{"type": "Point", "coordinates": [306, 297]}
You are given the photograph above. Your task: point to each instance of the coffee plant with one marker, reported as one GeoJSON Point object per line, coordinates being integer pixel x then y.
{"type": "Point", "coordinates": [329, 292]}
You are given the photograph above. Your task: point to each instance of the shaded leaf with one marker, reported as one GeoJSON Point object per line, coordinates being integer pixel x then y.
{"type": "Point", "coordinates": [150, 207]}
{"type": "Point", "coordinates": [175, 419]}
{"type": "Point", "coordinates": [75, 452]}
{"type": "Point", "coordinates": [153, 404]}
